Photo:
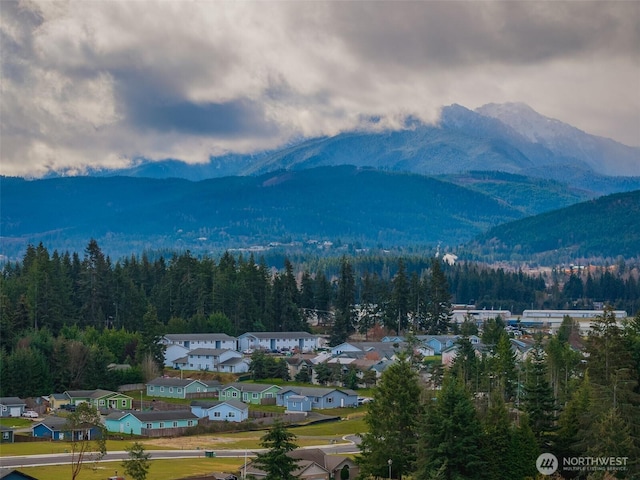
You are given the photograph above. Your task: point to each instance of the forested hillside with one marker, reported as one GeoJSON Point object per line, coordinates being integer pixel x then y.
{"type": "Point", "coordinates": [606, 227]}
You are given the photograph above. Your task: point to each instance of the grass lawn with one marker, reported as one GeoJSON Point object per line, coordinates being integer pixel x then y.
{"type": "Point", "coordinates": [15, 422]}
{"type": "Point", "coordinates": [42, 448]}
{"type": "Point", "coordinates": [160, 469]}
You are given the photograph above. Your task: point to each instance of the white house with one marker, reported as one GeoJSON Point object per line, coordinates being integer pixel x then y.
{"type": "Point", "coordinates": [278, 341]}
{"type": "Point", "coordinates": [178, 345]}
{"type": "Point", "coordinates": [210, 358]}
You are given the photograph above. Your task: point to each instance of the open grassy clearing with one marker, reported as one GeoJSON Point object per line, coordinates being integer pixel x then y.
{"type": "Point", "coordinates": [14, 422]}
{"type": "Point", "coordinates": [160, 469]}
{"type": "Point", "coordinates": [317, 434]}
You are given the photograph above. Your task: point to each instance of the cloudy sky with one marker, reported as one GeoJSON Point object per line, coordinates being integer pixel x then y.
{"type": "Point", "coordinates": [101, 83]}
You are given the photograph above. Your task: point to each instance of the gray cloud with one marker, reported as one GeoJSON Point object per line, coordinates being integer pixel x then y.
{"type": "Point", "coordinates": [100, 83]}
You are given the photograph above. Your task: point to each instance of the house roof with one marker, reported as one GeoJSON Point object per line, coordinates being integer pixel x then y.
{"type": "Point", "coordinates": [173, 382]}
{"type": "Point", "coordinates": [59, 396]}
{"type": "Point", "coordinates": [182, 337]}
{"type": "Point", "coordinates": [15, 474]}
{"type": "Point", "coordinates": [52, 423]}
{"type": "Point", "coordinates": [6, 429]}
{"type": "Point", "coordinates": [233, 361]}
{"type": "Point", "coordinates": [181, 361]}
{"type": "Point", "coordinates": [12, 401]}
{"type": "Point", "coordinates": [249, 387]}
{"type": "Point", "coordinates": [207, 404]}
{"type": "Point", "coordinates": [283, 335]}
{"type": "Point", "coordinates": [316, 392]}
{"type": "Point", "coordinates": [157, 415]}
{"type": "Point", "coordinates": [329, 462]}
{"type": "Point", "coordinates": [79, 393]}
{"type": "Point", "coordinates": [207, 351]}
{"type": "Point", "coordinates": [105, 393]}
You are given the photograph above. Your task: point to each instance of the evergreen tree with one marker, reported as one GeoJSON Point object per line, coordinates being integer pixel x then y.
{"type": "Point", "coordinates": [393, 418]}
{"type": "Point", "coordinates": [539, 402]}
{"type": "Point", "coordinates": [438, 314]}
{"type": "Point", "coordinates": [276, 462]}
{"type": "Point", "coordinates": [397, 315]}
{"type": "Point", "coordinates": [505, 367]}
{"type": "Point", "coordinates": [451, 435]}
{"type": "Point", "coordinates": [343, 326]}
{"type": "Point", "coordinates": [523, 441]}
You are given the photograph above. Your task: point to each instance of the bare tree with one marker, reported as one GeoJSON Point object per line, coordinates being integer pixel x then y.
{"type": "Point", "coordinates": [87, 437]}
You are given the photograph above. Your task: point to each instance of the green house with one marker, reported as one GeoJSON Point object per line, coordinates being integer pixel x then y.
{"type": "Point", "coordinates": [249, 392]}
{"type": "Point", "coordinates": [179, 388]}
{"type": "Point", "coordinates": [101, 399]}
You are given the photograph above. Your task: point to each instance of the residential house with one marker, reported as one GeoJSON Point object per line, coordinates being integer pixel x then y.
{"type": "Point", "coordinates": [234, 365]}
{"type": "Point", "coordinates": [58, 401]}
{"type": "Point", "coordinates": [521, 348]}
{"type": "Point", "coordinates": [151, 424]}
{"type": "Point", "coordinates": [254, 393]}
{"type": "Point", "coordinates": [180, 344]}
{"type": "Point", "coordinates": [55, 428]}
{"type": "Point", "coordinates": [12, 406]}
{"type": "Point", "coordinates": [6, 474]}
{"type": "Point", "coordinates": [299, 362]}
{"type": "Point", "coordinates": [228, 410]}
{"type": "Point", "coordinates": [449, 354]}
{"type": "Point", "coordinates": [278, 341]}
{"type": "Point", "coordinates": [320, 397]}
{"type": "Point", "coordinates": [313, 464]}
{"type": "Point", "coordinates": [369, 350]}
{"type": "Point", "coordinates": [211, 358]}
{"type": "Point", "coordinates": [101, 399]}
{"type": "Point", "coordinates": [6, 434]}
{"type": "Point", "coordinates": [179, 388]}
{"type": "Point", "coordinates": [297, 403]}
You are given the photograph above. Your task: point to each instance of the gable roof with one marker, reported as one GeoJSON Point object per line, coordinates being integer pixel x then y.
{"type": "Point", "coordinates": [249, 387]}
{"type": "Point", "coordinates": [154, 416]}
{"type": "Point", "coordinates": [207, 351]}
{"type": "Point", "coordinates": [316, 391]}
{"type": "Point", "coordinates": [286, 335]}
{"type": "Point", "coordinates": [174, 382]}
{"type": "Point", "coordinates": [15, 474]}
{"type": "Point", "coordinates": [237, 404]}
{"type": "Point", "coordinates": [12, 401]}
{"type": "Point", "coordinates": [188, 337]}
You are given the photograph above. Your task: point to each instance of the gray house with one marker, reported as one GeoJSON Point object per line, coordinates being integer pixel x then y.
{"type": "Point", "coordinates": [320, 397]}
{"type": "Point", "coordinates": [11, 406]}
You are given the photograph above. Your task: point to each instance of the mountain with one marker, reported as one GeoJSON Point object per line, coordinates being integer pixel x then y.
{"type": "Point", "coordinates": [606, 227]}
{"type": "Point", "coordinates": [128, 215]}
{"type": "Point", "coordinates": [509, 138]}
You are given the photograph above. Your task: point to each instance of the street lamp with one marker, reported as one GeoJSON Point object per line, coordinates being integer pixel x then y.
{"type": "Point", "coordinates": [390, 462]}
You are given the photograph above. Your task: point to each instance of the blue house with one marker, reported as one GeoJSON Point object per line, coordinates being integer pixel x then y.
{"type": "Point", "coordinates": [297, 403]}
{"type": "Point", "coordinates": [229, 410]}
{"type": "Point", "coordinates": [320, 397]}
{"type": "Point", "coordinates": [55, 428]}
{"type": "Point", "coordinates": [152, 424]}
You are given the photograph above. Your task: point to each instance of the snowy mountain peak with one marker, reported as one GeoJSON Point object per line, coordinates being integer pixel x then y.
{"type": "Point", "coordinates": [527, 122]}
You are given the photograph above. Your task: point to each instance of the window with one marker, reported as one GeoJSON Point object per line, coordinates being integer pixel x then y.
{"type": "Point", "coordinates": [179, 389]}
{"type": "Point", "coordinates": [329, 399]}
{"type": "Point", "coordinates": [175, 424]}
{"type": "Point", "coordinates": [5, 435]}
{"type": "Point", "coordinates": [190, 423]}
{"type": "Point", "coordinates": [4, 408]}
{"type": "Point", "coordinates": [149, 425]}
{"type": "Point", "coordinates": [128, 424]}
{"type": "Point", "coordinates": [216, 414]}
{"type": "Point", "coordinates": [234, 394]}
{"type": "Point", "coordinates": [161, 425]}
{"type": "Point", "coordinates": [162, 389]}
{"type": "Point", "coordinates": [231, 414]}
{"type": "Point", "coordinates": [124, 403]}
{"type": "Point", "coordinates": [170, 389]}
{"type": "Point", "coordinates": [255, 395]}
{"type": "Point", "coordinates": [151, 388]}
{"type": "Point", "coordinates": [101, 402]}
{"type": "Point", "coordinates": [268, 395]}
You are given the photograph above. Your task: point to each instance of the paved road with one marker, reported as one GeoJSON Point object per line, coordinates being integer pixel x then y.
{"type": "Point", "coordinates": [65, 458]}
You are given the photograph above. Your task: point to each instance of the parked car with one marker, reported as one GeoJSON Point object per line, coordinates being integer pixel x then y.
{"type": "Point", "coordinates": [30, 414]}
